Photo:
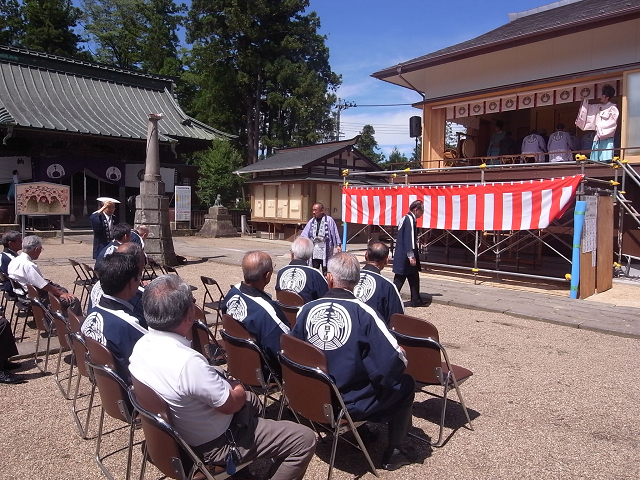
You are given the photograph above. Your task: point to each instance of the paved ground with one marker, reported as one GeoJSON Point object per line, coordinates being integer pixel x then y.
{"type": "Point", "coordinates": [548, 400]}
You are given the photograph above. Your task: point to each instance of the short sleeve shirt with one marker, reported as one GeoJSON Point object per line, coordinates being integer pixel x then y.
{"type": "Point", "coordinates": [191, 387]}
{"type": "Point", "coordinates": [24, 271]}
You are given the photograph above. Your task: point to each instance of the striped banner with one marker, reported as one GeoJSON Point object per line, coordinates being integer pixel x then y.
{"type": "Point", "coordinates": [525, 205]}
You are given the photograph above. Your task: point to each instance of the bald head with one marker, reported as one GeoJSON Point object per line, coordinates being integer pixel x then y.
{"type": "Point", "coordinates": [377, 254]}
{"type": "Point", "coordinates": [257, 268]}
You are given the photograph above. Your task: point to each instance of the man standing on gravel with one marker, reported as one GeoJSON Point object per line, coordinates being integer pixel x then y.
{"type": "Point", "coordinates": [323, 232]}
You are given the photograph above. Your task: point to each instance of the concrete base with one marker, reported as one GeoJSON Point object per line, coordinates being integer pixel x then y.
{"type": "Point", "coordinates": [217, 223]}
{"type": "Point", "coordinates": [152, 210]}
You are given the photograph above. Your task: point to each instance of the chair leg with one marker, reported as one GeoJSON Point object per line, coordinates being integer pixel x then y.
{"type": "Point", "coordinates": [144, 459]}
{"type": "Point", "coordinates": [98, 443]}
{"type": "Point", "coordinates": [336, 435]}
{"type": "Point", "coordinates": [461, 398]}
{"type": "Point", "coordinates": [66, 394]}
{"type": "Point", "coordinates": [35, 356]}
{"type": "Point", "coordinates": [364, 450]}
{"type": "Point", "coordinates": [74, 411]}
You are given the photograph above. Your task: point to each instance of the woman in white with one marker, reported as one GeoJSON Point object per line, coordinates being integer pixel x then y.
{"type": "Point", "coordinates": [606, 124]}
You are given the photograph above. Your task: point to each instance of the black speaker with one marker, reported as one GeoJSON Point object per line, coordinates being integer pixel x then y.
{"type": "Point", "coordinates": [415, 127]}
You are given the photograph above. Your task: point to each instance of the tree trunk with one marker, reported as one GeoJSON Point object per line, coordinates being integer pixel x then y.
{"type": "Point", "coordinates": [253, 120]}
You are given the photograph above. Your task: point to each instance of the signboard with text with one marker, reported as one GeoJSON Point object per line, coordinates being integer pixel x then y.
{"type": "Point", "coordinates": [183, 203]}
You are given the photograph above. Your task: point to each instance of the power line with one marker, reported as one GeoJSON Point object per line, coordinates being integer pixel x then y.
{"type": "Point", "coordinates": [385, 105]}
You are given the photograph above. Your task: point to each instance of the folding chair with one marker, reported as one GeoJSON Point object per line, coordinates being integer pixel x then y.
{"type": "Point", "coordinates": [425, 364]}
{"type": "Point", "coordinates": [22, 304]}
{"type": "Point", "coordinates": [290, 313]}
{"type": "Point", "coordinates": [82, 280]}
{"type": "Point", "coordinates": [287, 297]}
{"type": "Point", "coordinates": [114, 397]}
{"type": "Point", "coordinates": [311, 392]}
{"type": "Point", "coordinates": [44, 324]}
{"type": "Point", "coordinates": [163, 445]}
{"type": "Point", "coordinates": [247, 362]}
{"type": "Point", "coordinates": [167, 269]}
{"type": "Point", "coordinates": [6, 294]}
{"type": "Point", "coordinates": [215, 302]}
{"type": "Point", "coordinates": [203, 341]}
{"type": "Point", "coordinates": [79, 347]}
{"type": "Point", "coordinates": [62, 327]}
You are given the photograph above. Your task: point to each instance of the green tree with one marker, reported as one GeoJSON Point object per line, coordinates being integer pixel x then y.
{"type": "Point", "coordinates": [11, 22]}
{"type": "Point", "coordinates": [262, 70]}
{"type": "Point", "coordinates": [217, 165]}
{"type": "Point", "coordinates": [159, 42]}
{"type": "Point", "coordinates": [368, 144]}
{"type": "Point", "coordinates": [48, 26]}
{"type": "Point", "coordinates": [397, 159]}
{"type": "Point", "coordinates": [116, 27]}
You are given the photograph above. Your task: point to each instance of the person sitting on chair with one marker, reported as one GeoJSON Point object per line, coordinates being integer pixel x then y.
{"type": "Point", "coordinates": [375, 290]}
{"type": "Point", "coordinates": [12, 242]}
{"type": "Point", "coordinates": [25, 272]}
{"type": "Point", "coordinates": [121, 234]}
{"type": "Point", "coordinates": [362, 355]}
{"type": "Point", "coordinates": [8, 349]}
{"type": "Point", "coordinates": [298, 276]}
{"type": "Point", "coordinates": [248, 303]}
{"type": "Point", "coordinates": [209, 411]}
{"type": "Point", "coordinates": [111, 322]}
{"type": "Point", "coordinates": [139, 234]}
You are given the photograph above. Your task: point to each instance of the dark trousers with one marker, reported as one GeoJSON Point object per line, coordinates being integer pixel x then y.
{"type": "Point", "coordinates": [74, 305]}
{"type": "Point", "coordinates": [7, 343]}
{"type": "Point", "coordinates": [414, 285]}
{"type": "Point", "coordinates": [318, 263]}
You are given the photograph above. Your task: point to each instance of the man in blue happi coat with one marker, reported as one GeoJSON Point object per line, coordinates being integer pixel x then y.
{"type": "Point", "coordinates": [111, 322]}
{"type": "Point", "coordinates": [121, 234]}
{"type": "Point", "coordinates": [102, 222]}
{"type": "Point", "coordinates": [374, 289]}
{"type": "Point", "coordinates": [298, 276]}
{"type": "Point", "coordinates": [406, 258]}
{"type": "Point", "coordinates": [248, 303]}
{"type": "Point", "coordinates": [374, 386]}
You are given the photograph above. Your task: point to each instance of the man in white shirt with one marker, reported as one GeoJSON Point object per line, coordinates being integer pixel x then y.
{"type": "Point", "coordinates": [23, 270]}
{"type": "Point", "coordinates": [209, 411]}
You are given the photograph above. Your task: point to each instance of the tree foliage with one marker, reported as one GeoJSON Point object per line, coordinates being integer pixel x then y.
{"type": "Point", "coordinates": [217, 165]}
{"type": "Point", "coordinates": [262, 70]}
{"type": "Point", "coordinates": [368, 144]}
{"type": "Point", "coordinates": [48, 26]}
{"type": "Point", "coordinates": [11, 22]}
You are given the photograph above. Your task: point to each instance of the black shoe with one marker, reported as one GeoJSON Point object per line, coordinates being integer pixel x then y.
{"type": "Point", "coordinates": [421, 303]}
{"type": "Point", "coordinates": [8, 365]}
{"type": "Point", "coordinates": [397, 458]}
{"type": "Point", "coordinates": [367, 434]}
{"type": "Point", "coordinates": [7, 377]}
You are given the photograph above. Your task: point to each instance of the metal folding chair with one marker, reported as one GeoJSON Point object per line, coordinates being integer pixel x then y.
{"type": "Point", "coordinates": [428, 362]}
{"type": "Point", "coordinates": [311, 392]}
{"type": "Point", "coordinates": [44, 324]}
{"type": "Point", "coordinates": [21, 304]}
{"type": "Point", "coordinates": [114, 398]}
{"type": "Point", "coordinates": [203, 341]}
{"type": "Point", "coordinates": [215, 296]}
{"type": "Point", "coordinates": [79, 347]}
{"type": "Point", "coordinates": [163, 445]}
{"type": "Point", "coordinates": [247, 362]}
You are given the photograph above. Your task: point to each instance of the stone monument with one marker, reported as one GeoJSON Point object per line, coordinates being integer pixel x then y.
{"type": "Point", "coordinates": [152, 207]}
{"type": "Point", "coordinates": [217, 223]}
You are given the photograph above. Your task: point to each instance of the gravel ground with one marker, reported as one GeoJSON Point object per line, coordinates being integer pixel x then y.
{"type": "Point", "coordinates": [536, 408]}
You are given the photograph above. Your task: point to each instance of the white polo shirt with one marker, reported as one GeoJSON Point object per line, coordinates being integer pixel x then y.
{"type": "Point", "coordinates": [191, 387]}
{"type": "Point", "coordinates": [24, 271]}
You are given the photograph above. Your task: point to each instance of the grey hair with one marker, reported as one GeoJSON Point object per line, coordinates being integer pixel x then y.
{"type": "Point", "coordinates": [30, 243]}
{"type": "Point", "coordinates": [166, 301]}
{"type": "Point", "coordinates": [10, 236]}
{"type": "Point", "coordinates": [142, 229]}
{"type": "Point", "coordinates": [345, 270]}
{"type": "Point", "coordinates": [255, 265]}
{"type": "Point", "coordinates": [302, 248]}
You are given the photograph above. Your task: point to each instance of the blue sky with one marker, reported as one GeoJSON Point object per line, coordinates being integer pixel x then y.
{"type": "Point", "coordinates": [365, 36]}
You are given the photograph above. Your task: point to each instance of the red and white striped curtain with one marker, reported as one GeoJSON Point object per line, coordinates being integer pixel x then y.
{"type": "Point", "coordinates": [525, 205]}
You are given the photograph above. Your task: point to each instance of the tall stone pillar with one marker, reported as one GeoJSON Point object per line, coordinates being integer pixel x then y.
{"type": "Point", "coordinates": [152, 207]}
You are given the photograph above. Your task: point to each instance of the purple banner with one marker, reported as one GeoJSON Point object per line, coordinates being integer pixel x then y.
{"type": "Point", "coordinates": [50, 169]}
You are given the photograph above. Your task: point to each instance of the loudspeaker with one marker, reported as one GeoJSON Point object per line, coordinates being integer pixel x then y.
{"type": "Point", "coordinates": [415, 126]}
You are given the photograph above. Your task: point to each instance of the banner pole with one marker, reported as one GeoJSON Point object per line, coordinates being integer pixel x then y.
{"type": "Point", "coordinates": [578, 222]}
{"type": "Point", "coordinates": [344, 236]}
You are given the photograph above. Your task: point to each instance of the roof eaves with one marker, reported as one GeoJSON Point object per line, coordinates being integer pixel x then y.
{"type": "Point", "coordinates": [554, 31]}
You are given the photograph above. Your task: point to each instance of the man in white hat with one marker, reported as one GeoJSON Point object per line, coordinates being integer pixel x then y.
{"type": "Point", "coordinates": [102, 222]}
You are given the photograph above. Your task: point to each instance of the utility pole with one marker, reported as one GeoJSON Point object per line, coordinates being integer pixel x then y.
{"type": "Point", "coordinates": [341, 105]}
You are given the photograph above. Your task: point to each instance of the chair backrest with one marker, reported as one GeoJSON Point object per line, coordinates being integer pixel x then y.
{"type": "Point", "coordinates": [163, 442]}
{"type": "Point", "coordinates": [210, 282]}
{"type": "Point", "coordinates": [62, 328]}
{"type": "Point", "coordinates": [79, 348]}
{"type": "Point", "coordinates": [245, 361]}
{"type": "Point", "coordinates": [420, 341]}
{"type": "Point", "coordinates": [287, 297]}
{"type": "Point", "coordinates": [75, 322]}
{"type": "Point", "coordinates": [16, 287]}
{"type": "Point", "coordinates": [92, 275]}
{"type": "Point", "coordinates": [54, 303]}
{"type": "Point", "coordinates": [310, 391]}
{"type": "Point", "coordinates": [43, 322]}
{"type": "Point", "coordinates": [168, 269]}
{"type": "Point", "coordinates": [81, 274]}
{"type": "Point", "coordinates": [290, 313]}
{"type": "Point", "coordinates": [113, 389]}
{"type": "Point", "coordinates": [199, 336]}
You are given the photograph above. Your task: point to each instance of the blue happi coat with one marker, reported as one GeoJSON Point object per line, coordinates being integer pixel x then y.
{"type": "Point", "coordinates": [362, 355]}
{"type": "Point", "coordinates": [378, 292]}
{"type": "Point", "coordinates": [260, 315]}
{"type": "Point", "coordinates": [306, 281]}
{"type": "Point", "coordinates": [112, 323]}
{"type": "Point", "coordinates": [406, 246]}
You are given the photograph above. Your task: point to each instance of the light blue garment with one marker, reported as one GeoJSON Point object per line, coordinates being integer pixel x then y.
{"type": "Point", "coordinates": [605, 146]}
